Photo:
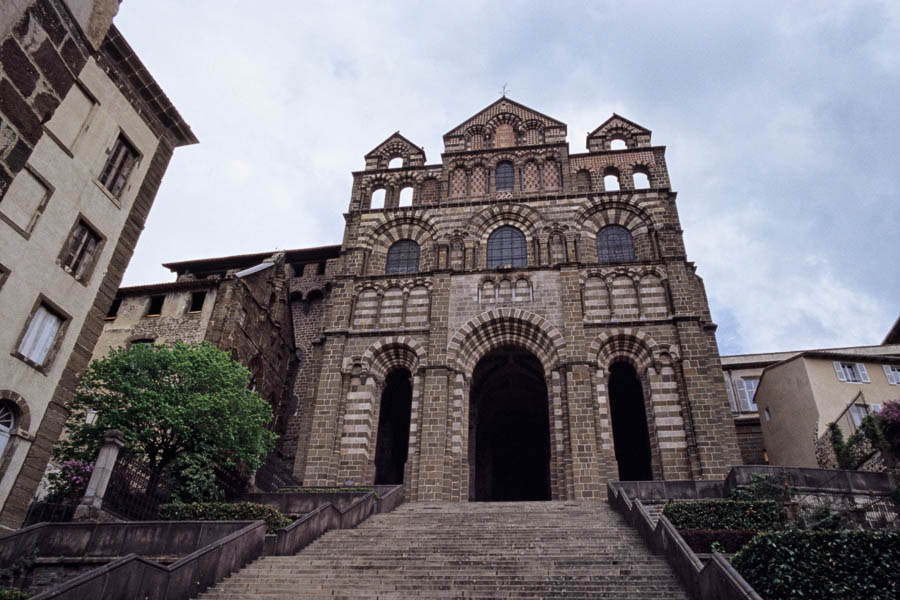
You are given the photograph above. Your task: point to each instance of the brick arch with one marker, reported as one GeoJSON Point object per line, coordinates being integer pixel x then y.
{"type": "Point", "coordinates": [502, 327]}
{"type": "Point", "coordinates": [635, 346]}
{"type": "Point", "coordinates": [596, 215]}
{"type": "Point", "coordinates": [525, 218]}
{"type": "Point", "coordinates": [408, 226]}
{"type": "Point", "coordinates": [394, 352]}
{"type": "Point", "coordinates": [503, 156]}
{"type": "Point", "coordinates": [23, 414]}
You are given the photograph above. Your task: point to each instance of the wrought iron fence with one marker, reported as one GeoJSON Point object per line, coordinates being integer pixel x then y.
{"type": "Point", "coordinates": [134, 491]}
{"type": "Point", "coordinates": [50, 512]}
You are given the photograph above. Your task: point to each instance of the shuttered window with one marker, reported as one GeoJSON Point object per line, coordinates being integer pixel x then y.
{"type": "Point", "coordinates": [746, 390]}
{"type": "Point", "coordinates": [81, 250]}
{"type": "Point", "coordinates": [40, 335]}
{"type": "Point", "coordinates": [118, 166]}
{"type": "Point", "coordinates": [851, 372]}
{"type": "Point", "coordinates": [892, 373]}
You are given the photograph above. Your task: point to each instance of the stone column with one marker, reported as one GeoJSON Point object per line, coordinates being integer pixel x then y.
{"type": "Point", "coordinates": [92, 502]}
{"type": "Point", "coordinates": [583, 442]}
{"type": "Point", "coordinates": [433, 411]}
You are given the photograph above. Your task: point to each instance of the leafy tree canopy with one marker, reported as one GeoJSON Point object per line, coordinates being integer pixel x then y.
{"type": "Point", "coordinates": [173, 403]}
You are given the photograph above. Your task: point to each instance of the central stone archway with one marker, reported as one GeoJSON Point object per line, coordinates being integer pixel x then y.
{"type": "Point", "coordinates": [509, 428]}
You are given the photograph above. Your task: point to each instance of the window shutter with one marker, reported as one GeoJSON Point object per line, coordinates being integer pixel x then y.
{"type": "Point", "coordinates": [863, 375]}
{"type": "Point", "coordinates": [39, 338]}
{"type": "Point", "coordinates": [742, 395]}
{"type": "Point", "coordinates": [728, 388]}
{"type": "Point", "coordinates": [876, 408]}
{"type": "Point", "coordinates": [889, 374]}
{"type": "Point", "coordinates": [87, 257]}
{"type": "Point", "coordinates": [840, 371]}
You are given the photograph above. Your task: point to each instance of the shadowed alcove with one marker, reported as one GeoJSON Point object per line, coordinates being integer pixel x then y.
{"type": "Point", "coordinates": [629, 423]}
{"type": "Point", "coordinates": [509, 428]}
{"type": "Point", "coordinates": [392, 447]}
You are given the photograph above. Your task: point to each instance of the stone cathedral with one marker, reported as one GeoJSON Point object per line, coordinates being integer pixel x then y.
{"type": "Point", "coordinates": [513, 322]}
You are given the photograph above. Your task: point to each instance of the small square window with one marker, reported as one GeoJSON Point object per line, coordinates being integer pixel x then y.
{"type": "Point", "coordinates": [113, 311]}
{"type": "Point", "coordinates": [768, 414]}
{"type": "Point", "coordinates": [197, 299]}
{"type": "Point", "coordinates": [746, 389]}
{"type": "Point", "coordinates": [121, 161]}
{"type": "Point", "coordinates": [41, 335]}
{"type": "Point", "coordinates": [156, 304]}
{"type": "Point", "coordinates": [321, 268]}
{"type": "Point", "coordinates": [80, 252]}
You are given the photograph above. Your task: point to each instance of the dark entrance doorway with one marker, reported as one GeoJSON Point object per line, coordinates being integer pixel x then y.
{"type": "Point", "coordinates": [509, 428]}
{"type": "Point", "coordinates": [629, 423]}
{"type": "Point", "coordinates": [392, 447]}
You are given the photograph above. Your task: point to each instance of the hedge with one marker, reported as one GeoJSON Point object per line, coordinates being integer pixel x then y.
{"type": "Point", "coordinates": [223, 511]}
{"type": "Point", "coordinates": [724, 514]}
{"type": "Point", "coordinates": [13, 594]}
{"type": "Point", "coordinates": [851, 565]}
{"type": "Point", "coordinates": [731, 540]}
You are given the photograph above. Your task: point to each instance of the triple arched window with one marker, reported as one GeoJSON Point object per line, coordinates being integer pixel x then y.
{"type": "Point", "coordinates": [506, 247]}
{"type": "Point", "coordinates": [505, 176]}
{"type": "Point", "coordinates": [614, 245]}
{"type": "Point", "coordinates": [402, 257]}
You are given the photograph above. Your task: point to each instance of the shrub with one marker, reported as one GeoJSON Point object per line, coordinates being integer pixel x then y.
{"type": "Point", "coordinates": [13, 594]}
{"type": "Point", "coordinates": [851, 565]}
{"type": "Point", "coordinates": [724, 514]}
{"type": "Point", "coordinates": [889, 419]}
{"type": "Point", "coordinates": [223, 511]}
{"type": "Point", "coordinates": [70, 482]}
{"type": "Point", "coordinates": [716, 540]}
{"type": "Point", "coordinates": [821, 517]}
{"type": "Point", "coordinates": [762, 487]}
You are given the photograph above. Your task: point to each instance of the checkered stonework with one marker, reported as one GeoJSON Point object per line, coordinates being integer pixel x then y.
{"type": "Point", "coordinates": [577, 313]}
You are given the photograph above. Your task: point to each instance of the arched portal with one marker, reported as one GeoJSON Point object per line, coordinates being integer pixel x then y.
{"type": "Point", "coordinates": [392, 445]}
{"type": "Point", "coordinates": [509, 428]}
{"type": "Point", "coordinates": [629, 423]}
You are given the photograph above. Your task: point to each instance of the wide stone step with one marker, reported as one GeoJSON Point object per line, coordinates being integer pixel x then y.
{"type": "Point", "coordinates": [476, 550]}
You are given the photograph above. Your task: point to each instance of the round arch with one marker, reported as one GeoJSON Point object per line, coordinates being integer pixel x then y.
{"type": "Point", "coordinates": [506, 327]}
{"type": "Point", "coordinates": [394, 352]}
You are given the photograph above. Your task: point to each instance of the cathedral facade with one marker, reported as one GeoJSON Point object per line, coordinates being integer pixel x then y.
{"type": "Point", "coordinates": [513, 322]}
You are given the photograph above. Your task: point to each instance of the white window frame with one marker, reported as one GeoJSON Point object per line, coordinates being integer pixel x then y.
{"type": "Point", "coordinates": [7, 425]}
{"type": "Point", "coordinates": [42, 333]}
{"type": "Point", "coordinates": [892, 374]}
{"type": "Point", "coordinates": [850, 372]}
{"type": "Point", "coordinates": [858, 412]}
{"type": "Point", "coordinates": [746, 393]}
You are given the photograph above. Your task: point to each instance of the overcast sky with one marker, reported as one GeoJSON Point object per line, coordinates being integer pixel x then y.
{"type": "Point", "coordinates": [781, 119]}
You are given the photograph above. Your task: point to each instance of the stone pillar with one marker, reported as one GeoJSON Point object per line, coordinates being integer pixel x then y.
{"type": "Point", "coordinates": [433, 411]}
{"type": "Point", "coordinates": [583, 443]}
{"type": "Point", "coordinates": [90, 505]}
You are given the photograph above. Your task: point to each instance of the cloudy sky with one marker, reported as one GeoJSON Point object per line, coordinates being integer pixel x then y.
{"type": "Point", "coordinates": [782, 122]}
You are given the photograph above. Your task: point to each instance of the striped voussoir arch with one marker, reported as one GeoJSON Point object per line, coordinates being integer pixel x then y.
{"type": "Point", "coordinates": [594, 217]}
{"type": "Point", "coordinates": [505, 327]}
{"type": "Point", "coordinates": [631, 344]}
{"type": "Point", "coordinates": [394, 352]}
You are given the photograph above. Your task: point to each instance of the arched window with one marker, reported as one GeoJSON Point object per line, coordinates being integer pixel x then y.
{"type": "Point", "coordinates": [641, 179]}
{"type": "Point", "coordinates": [583, 180]}
{"type": "Point", "coordinates": [7, 424]}
{"type": "Point", "coordinates": [406, 195]}
{"type": "Point", "coordinates": [403, 257]}
{"type": "Point", "coordinates": [617, 144]}
{"type": "Point", "coordinates": [614, 245]}
{"type": "Point", "coordinates": [506, 247]}
{"type": "Point", "coordinates": [611, 179]}
{"type": "Point", "coordinates": [505, 176]}
{"type": "Point", "coordinates": [377, 198]}
{"type": "Point", "coordinates": [395, 163]}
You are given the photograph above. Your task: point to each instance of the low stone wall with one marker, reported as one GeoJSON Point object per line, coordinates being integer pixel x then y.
{"type": "Point", "coordinates": [717, 580]}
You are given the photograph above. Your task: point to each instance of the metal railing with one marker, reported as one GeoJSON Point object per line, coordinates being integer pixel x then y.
{"type": "Point", "coordinates": [134, 491]}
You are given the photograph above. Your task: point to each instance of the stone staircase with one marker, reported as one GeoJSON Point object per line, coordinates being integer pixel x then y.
{"type": "Point", "coordinates": [468, 550]}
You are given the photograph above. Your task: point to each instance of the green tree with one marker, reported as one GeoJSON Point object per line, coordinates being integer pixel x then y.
{"type": "Point", "coordinates": [178, 406]}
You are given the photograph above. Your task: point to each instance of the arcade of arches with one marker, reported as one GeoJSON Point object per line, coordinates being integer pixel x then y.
{"type": "Point", "coordinates": [516, 333]}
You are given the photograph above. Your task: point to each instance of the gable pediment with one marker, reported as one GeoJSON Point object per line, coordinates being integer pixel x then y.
{"type": "Point", "coordinates": [618, 128]}
{"type": "Point", "coordinates": [513, 119]}
{"type": "Point", "coordinates": [395, 146]}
